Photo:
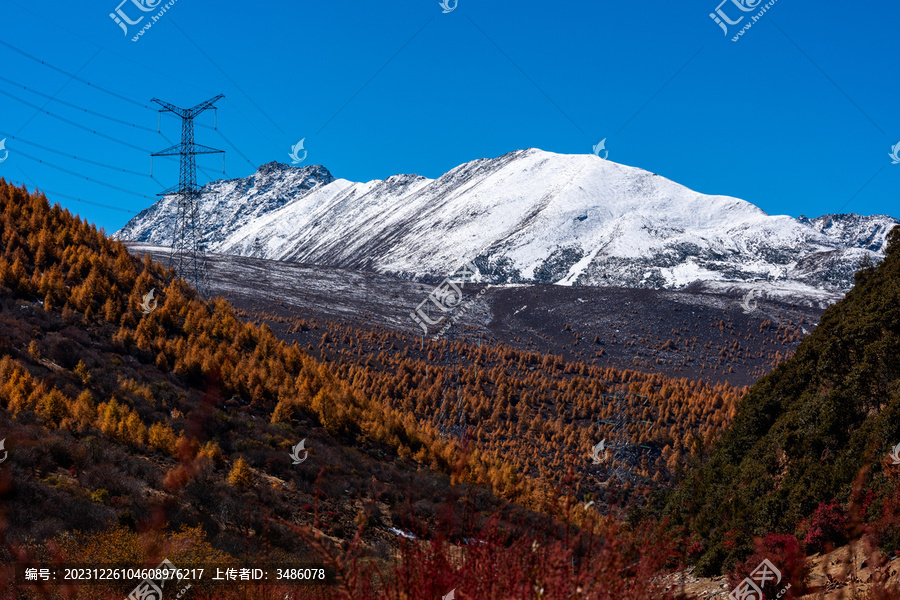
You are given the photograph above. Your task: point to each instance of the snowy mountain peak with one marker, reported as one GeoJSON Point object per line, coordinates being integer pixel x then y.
{"type": "Point", "coordinates": [227, 205]}
{"type": "Point", "coordinates": [404, 180]}
{"type": "Point", "coordinates": [526, 216]}
{"type": "Point", "coordinates": [274, 172]}
{"type": "Point", "coordinates": [867, 232]}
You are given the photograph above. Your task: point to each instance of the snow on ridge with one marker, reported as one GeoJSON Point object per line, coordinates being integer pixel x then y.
{"type": "Point", "coordinates": [529, 216]}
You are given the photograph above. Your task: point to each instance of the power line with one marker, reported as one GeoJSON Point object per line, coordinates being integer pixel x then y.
{"type": "Point", "coordinates": [378, 72]}
{"type": "Point", "coordinates": [121, 97]}
{"type": "Point", "coordinates": [88, 129]}
{"type": "Point", "coordinates": [227, 141]}
{"type": "Point", "coordinates": [73, 173]}
{"type": "Point", "coordinates": [95, 86]}
{"type": "Point", "coordinates": [43, 191]}
{"type": "Point", "coordinates": [76, 107]}
{"type": "Point", "coordinates": [205, 126]}
{"type": "Point", "coordinates": [73, 123]}
{"type": "Point", "coordinates": [93, 162]}
{"type": "Point", "coordinates": [99, 164]}
{"type": "Point", "coordinates": [80, 69]}
{"type": "Point", "coordinates": [92, 131]}
{"type": "Point", "coordinates": [237, 110]}
{"type": "Point", "coordinates": [81, 108]}
{"type": "Point", "coordinates": [233, 82]}
{"type": "Point", "coordinates": [43, 18]}
{"type": "Point", "coordinates": [74, 76]}
{"type": "Point", "coordinates": [621, 410]}
{"type": "Point", "coordinates": [255, 128]}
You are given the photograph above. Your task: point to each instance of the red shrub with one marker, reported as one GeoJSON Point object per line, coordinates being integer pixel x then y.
{"type": "Point", "coordinates": [695, 549]}
{"type": "Point", "coordinates": [827, 527]}
{"type": "Point", "coordinates": [887, 524]}
{"type": "Point", "coordinates": [729, 540]}
{"type": "Point", "coordinates": [786, 555]}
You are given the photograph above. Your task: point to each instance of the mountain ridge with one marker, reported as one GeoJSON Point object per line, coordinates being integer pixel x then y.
{"type": "Point", "coordinates": [529, 216]}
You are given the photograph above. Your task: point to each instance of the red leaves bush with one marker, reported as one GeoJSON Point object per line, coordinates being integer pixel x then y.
{"type": "Point", "coordinates": [886, 522]}
{"type": "Point", "coordinates": [827, 527]}
{"type": "Point", "coordinates": [787, 555]}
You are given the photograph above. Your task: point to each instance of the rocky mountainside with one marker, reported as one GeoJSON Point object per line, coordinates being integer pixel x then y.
{"type": "Point", "coordinates": [529, 217]}
{"type": "Point", "coordinates": [819, 428]}
{"type": "Point", "coordinates": [227, 205]}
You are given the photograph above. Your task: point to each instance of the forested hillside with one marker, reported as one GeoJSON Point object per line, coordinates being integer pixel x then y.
{"type": "Point", "coordinates": [809, 450]}
{"type": "Point", "coordinates": [135, 424]}
{"type": "Point", "coordinates": [184, 415]}
{"type": "Point", "coordinates": [128, 421]}
{"type": "Point", "coordinates": [506, 402]}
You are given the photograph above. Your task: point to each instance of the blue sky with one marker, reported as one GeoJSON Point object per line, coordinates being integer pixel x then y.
{"type": "Point", "coordinates": [798, 116]}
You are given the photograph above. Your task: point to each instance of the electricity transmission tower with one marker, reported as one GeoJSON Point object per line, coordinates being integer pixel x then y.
{"type": "Point", "coordinates": [452, 382]}
{"type": "Point", "coordinates": [187, 251]}
{"type": "Point", "coordinates": [621, 421]}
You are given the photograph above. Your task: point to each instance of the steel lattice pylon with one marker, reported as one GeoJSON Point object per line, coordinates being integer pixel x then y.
{"type": "Point", "coordinates": [452, 371]}
{"type": "Point", "coordinates": [187, 251]}
{"type": "Point", "coordinates": [624, 454]}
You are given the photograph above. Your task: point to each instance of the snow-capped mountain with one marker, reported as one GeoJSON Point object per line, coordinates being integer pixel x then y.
{"type": "Point", "coordinates": [527, 216]}
{"type": "Point", "coordinates": [227, 205]}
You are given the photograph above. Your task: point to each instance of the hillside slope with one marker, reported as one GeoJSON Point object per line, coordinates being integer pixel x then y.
{"type": "Point", "coordinates": [687, 333]}
{"type": "Point", "coordinates": [805, 432]}
{"type": "Point", "coordinates": [139, 428]}
{"type": "Point", "coordinates": [153, 414]}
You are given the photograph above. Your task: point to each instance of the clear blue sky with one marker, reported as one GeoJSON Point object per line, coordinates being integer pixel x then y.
{"type": "Point", "coordinates": [798, 116]}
